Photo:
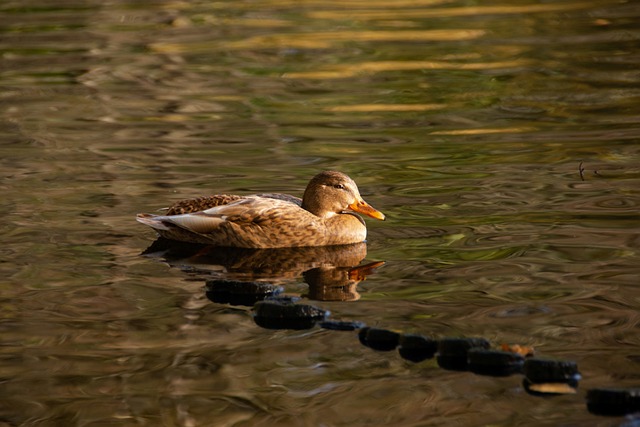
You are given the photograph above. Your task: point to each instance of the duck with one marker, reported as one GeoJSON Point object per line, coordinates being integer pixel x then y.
{"type": "Point", "coordinates": [326, 215]}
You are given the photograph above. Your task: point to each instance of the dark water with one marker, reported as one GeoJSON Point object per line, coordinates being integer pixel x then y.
{"type": "Point", "coordinates": [465, 122]}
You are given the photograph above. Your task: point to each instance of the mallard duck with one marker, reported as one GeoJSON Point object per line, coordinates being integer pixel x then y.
{"type": "Point", "coordinates": [325, 216]}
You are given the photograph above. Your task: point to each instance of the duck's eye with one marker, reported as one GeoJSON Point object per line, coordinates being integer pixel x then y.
{"type": "Point", "coordinates": [339, 186]}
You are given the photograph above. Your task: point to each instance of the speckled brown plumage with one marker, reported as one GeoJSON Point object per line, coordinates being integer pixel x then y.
{"type": "Point", "coordinates": [201, 203]}
{"type": "Point", "coordinates": [208, 202]}
{"type": "Point", "coordinates": [271, 220]}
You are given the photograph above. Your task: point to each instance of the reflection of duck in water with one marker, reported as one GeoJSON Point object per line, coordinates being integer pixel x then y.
{"type": "Point", "coordinates": [324, 216]}
{"type": "Point", "coordinates": [332, 272]}
{"type": "Point", "coordinates": [337, 283]}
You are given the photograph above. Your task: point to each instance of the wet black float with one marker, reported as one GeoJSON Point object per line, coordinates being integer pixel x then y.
{"type": "Point", "coordinates": [379, 339]}
{"type": "Point", "coordinates": [453, 352]}
{"type": "Point", "coordinates": [278, 314]}
{"type": "Point", "coordinates": [234, 292]}
{"type": "Point", "coordinates": [613, 401]}
{"type": "Point", "coordinates": [416, 348]}
{"type": "Point", "coordinates": [495, 363]}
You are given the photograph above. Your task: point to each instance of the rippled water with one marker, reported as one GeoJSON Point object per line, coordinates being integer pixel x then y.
{"type": "Point", "coordinates": [502, 140]}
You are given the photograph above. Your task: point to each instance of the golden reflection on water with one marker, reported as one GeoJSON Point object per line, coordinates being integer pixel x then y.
{"type": "Point", "coordinates": [349, 70]}
{"type": "Point", "coordinates": [366, 108]}
{"type": "Point", "coordinates": [323, 40]}
{"type": "Point", "coordinates": [455, 11]}
{"type": "Point", "coordinates": [351, 5]}
{"type": "Point", "coordinates": [485, 131]}
{"type": "Point", "coordinates": [319, 40]}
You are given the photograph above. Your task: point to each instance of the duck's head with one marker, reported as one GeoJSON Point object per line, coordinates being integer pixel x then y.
{"type": "Point", "coordinates": [330, 193]}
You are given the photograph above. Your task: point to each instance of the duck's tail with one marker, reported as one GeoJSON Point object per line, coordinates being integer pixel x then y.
{"type": "Point", "coordinates": [198, 222]}
{"type": "Point", "coordinates": [153, 221]}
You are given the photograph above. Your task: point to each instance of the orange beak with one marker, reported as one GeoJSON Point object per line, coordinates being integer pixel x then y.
{"type": "Point", "coordinates": [364, 208]}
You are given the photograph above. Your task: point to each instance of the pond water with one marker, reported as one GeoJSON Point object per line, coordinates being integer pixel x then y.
{"type": "Point", "coordinates": [501, 139]}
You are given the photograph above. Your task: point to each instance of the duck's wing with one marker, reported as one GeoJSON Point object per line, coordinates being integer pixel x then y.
{"type": "Point", "coordinates": [201, 203]}
{"type": "Point", "coordinates": [256, 210]}
{"type": "Point", "coordinates": [207, 202]}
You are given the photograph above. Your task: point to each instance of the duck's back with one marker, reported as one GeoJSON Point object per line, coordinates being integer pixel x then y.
{"type": "Point", "coordinates": [207, 202]}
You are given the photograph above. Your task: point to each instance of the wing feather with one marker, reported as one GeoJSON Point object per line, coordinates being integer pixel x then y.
{"type": "Point", "coordinates": [246, 213]}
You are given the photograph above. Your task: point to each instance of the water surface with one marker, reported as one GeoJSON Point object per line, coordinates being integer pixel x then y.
{"type": "Point", "coordinates": [501, 140]}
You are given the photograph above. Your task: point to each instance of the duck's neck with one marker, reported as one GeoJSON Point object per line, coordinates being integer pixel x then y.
{"type": "Point", "coordinates": [311, 203]}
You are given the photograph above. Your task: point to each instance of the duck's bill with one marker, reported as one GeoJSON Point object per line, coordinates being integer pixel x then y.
{"type": "Point", "coordinates": [364, 208]}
